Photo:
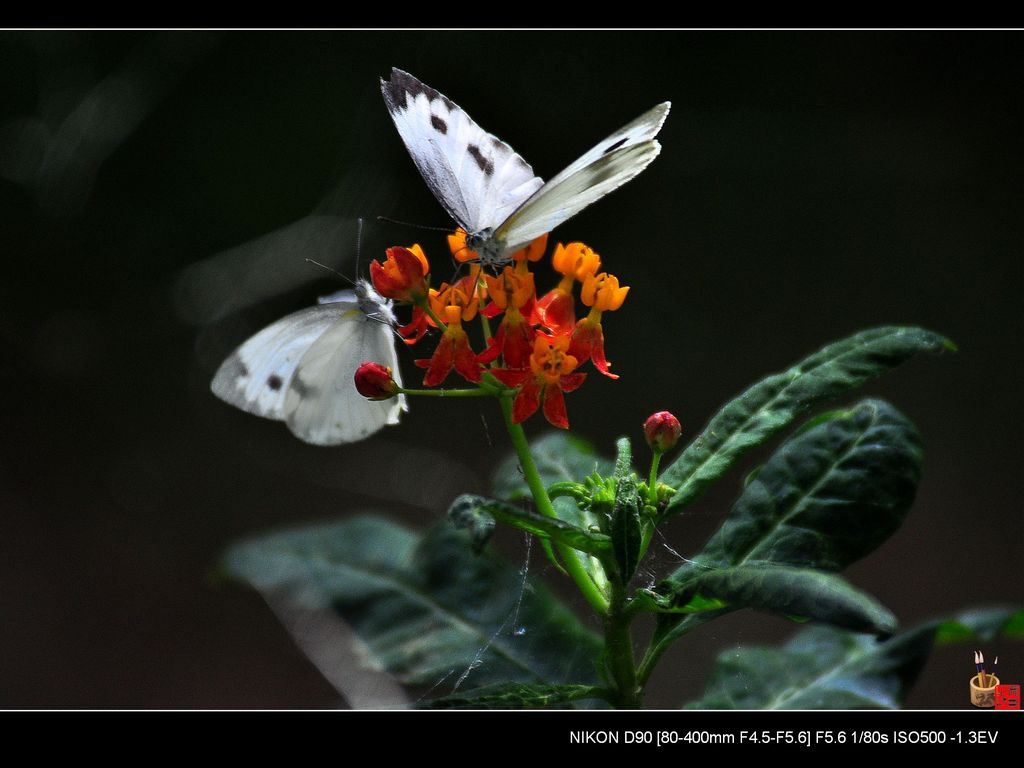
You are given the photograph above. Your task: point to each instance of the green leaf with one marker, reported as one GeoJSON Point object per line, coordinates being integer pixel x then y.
{"type": "Point", "coordinates": [773, 403]}
{"type": "Point", "coordinates": [825, 498]}
{"type": "Point", "coordinates": [516, 696]}
{"type": "Point", "coordinates": [624, 525]}
{"type": "Point", "coordinates": [468, 506]}
{"type": "Point", "coordinates": [623, 458]}
{"type": "Point", "coordinates": [826, 668]}
{"type": "Point", "coordinates": [799, 592]}
{"type": "Point", "coordinates": [559, 457]}
{"type": "Point", "coordinates": [626, 529]}
{"type": "Point", "coordinates": [425, 608]}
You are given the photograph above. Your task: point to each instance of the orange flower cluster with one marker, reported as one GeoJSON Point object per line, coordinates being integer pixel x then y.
{"type": "Point", "coordinates": [538, 345]}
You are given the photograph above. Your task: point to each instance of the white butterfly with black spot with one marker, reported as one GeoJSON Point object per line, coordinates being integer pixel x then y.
{"type": "Point", "coordinates": [488, 189]}
{"type": "Point", "coordinates": [301, 369]}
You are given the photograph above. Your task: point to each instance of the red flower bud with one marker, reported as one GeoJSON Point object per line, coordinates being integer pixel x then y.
{"type": "Point", "coordinates": [662, 431]}
{"type": "Point", "coordinates": [374, 381]}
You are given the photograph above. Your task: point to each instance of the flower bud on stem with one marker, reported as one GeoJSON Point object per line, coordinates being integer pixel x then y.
{"type": "Point", "coordinates": [662, 431]}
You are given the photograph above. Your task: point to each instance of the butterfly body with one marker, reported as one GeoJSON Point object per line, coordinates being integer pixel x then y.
{"type": "Point", "coordinates": [491, 191]}
{"type": "Point", "coordinates": [487, 248]}
{"type": "Point", "coordinates": [300, 369]}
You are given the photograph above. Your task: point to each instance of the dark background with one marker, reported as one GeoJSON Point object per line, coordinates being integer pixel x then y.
{"type": "Point", "coordinates": [810, 184]}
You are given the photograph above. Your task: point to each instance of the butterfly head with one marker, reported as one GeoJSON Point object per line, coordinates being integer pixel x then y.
{"type": "Point", "coordinates": [490, 250]}
{"type": "Point", "coordinates": [372, 304]}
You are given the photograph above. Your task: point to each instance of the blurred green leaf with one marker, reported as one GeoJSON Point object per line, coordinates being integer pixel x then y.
{"type": "Point", "coordinates": [425, 607]}
{"type": "Point", "coordinates": [773, 403]}
{"type": "Point", "coordinates": [467, 512]}
{"type": "Point", "coordinates": [826, 668]}
{"type": "Point", "coordinates": [982, 623]}
{"type": "Point", "coordinates": [516, 696]}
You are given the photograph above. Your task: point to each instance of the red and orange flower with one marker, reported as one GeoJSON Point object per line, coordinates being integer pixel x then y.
{"type": "Point", "coordinates": [403, 275]}
{"type": "Point", "coordinates": [556, 310]}
{"type": "Point", "coordinates": [538, 345]}
{"type": "Point", "coordinates": [510, 292]}
{"type": "Point", "coordinates": [602, 294]}
{"type": "Point", "coordinates": [453, 304]}
{"type": "Point", "coordinates": [551, 373]}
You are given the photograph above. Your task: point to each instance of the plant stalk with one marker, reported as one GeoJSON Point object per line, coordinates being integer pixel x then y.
{"type": "Point", "coordinates": [652, 481]}
{"type": "Point", "coordinates": [425, 306]}
{"type": "Point", "coordinates": [476, 392]}
{"type": "Point", "coordinates": [569, 556]}
{"type": "Point", "coordinates": [619, 652]}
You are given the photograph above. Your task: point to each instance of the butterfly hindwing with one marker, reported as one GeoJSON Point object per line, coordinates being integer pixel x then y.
{"type": "Point", "coordinates": [256, 376]}
{"type": "Point", "coordinates": [301, 369]}
{"type": "Point", "coordinates": [322, 405]}
{"type": "Point", "coordinates": [606, 167]}
{"type": "Point", "coordinates": [478, 178]}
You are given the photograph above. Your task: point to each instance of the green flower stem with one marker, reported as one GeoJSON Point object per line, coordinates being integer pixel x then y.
{"type": "Point", "coordinates": [652, 482]}
{"type": "Point", "coordinates": [572, 490]}
{"type": "Point", "coordinates": [486, 325]}
{"type": "Point", "coordinates": [425, 306]}
{"type": "Point", "coordinates": [540, 497]}
{"type": "Point", "coordinates": [476, 392]}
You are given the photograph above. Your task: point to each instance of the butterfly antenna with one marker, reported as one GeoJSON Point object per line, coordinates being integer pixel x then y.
{"type": "Point", "coordinates": [414, 226]}
{"type": "Point", "coordinates": [359, 240]}
{"type": "Point", "coordinates": [457, 273]}
{"type": "Point", "coordinates": [346, 278]}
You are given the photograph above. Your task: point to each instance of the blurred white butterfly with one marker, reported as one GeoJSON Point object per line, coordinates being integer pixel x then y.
{"type": "Point", "coordinates": [488, 189]}
{"type": "Point", "coordinates": [301, 369]}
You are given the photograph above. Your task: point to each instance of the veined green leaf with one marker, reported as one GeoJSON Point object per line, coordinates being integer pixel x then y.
{"type": "Point", "coordinates": [828, 496]}
{"type": "Point", "coordinates": [773, 403]}
{"type": "Point", "coordinates": [795, 592]}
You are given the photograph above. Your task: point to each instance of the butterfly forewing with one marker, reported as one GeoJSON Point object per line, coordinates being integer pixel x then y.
{"type": "Point", "coordinates": [479, 179]}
